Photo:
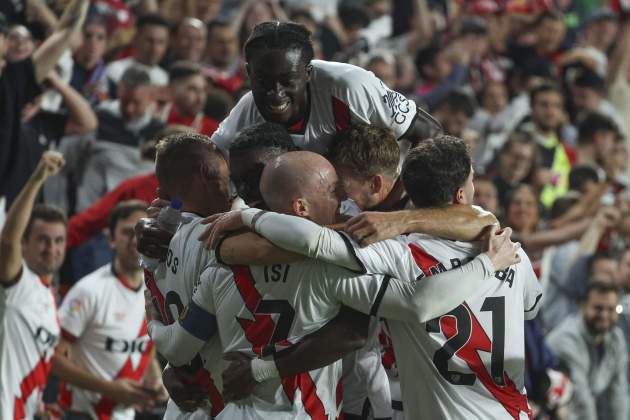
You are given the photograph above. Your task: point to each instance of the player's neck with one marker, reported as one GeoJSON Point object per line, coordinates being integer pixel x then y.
{"type": "Point", "coordinates": [393, 197]}
{"type": "Point", "coordinates": [133, 276]}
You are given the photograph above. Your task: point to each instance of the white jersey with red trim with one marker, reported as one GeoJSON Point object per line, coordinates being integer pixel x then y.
{"type": "Point", "coordinates": [339, 94]}
{"type": "Point", "coordinates": [172, 286]}
{"type": "Point", "coordinates": [472, 359]}
{"type": "Point", "coordinates": [103, 316]}
{"type": "Point", "coordinates": [29, 332]}
{"type": "Point", "coordinates": [261, 309]}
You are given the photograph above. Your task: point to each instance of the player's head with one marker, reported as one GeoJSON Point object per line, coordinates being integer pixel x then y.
{"type": "Point", "coordinates": [599, 308]}
{"type": "Point", "coordinates": [121, 234]}
{"type": "Point", "coordinates": [438, 172]}
{"type": "Point", "coordinates": [189, 88]}
{"type": "Point", "coordinates": [366, 159]}
{"type": "Point", "coordinates": [189, 167]}
{"type": "Point", "coordinates": [252, 149]}
{"type": "Point", "coordinates": [304, 184]}
{"type": "Point", "coordinates": [278, 58]}
{"type": "Point", "coordinates": [44, 240]}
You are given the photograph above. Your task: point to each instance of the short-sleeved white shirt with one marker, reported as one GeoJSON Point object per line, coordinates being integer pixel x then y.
{"type": "Point", "coordinates": [339, 94]}
{"type": "Point", "coordinates": [29, 332]}
{"type": "Point", "coordinates": [103, 316]}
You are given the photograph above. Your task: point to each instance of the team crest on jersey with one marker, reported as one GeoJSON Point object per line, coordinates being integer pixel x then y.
{"type": "Point", "coordinates": [75, 306]}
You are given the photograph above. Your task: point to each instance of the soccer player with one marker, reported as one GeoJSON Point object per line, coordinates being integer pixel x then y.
{"type": "Point", "coordinates": [314, 99]}
{"type": "Point", "coordinates": [105, 352]}
{"type": "Point", "coordinates": [189, 167]}
{"type": "Point", "coordinates": [471, 358]}
{"type": "Point", "coordinates": [32, 248]}
{"type": "Point", "coordinates": [262, 309]}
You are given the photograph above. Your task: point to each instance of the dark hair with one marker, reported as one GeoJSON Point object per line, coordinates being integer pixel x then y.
{"type": "Point", "coordinates": [302, 13]}
{"type": "Point", "coordinates": [45, 213]}
{"type": "Point", "coordinates": [548, 15]}
{"type": "Point", "coordinates": [366, 150]}
{"type": "Point", "coordinates": [280, 35]}
{"type": "Point", "coordinates": [526, 138]}
{"type": "Point", "coordinates": [593, 123]}
{"type": "Point", "coordinates": [543, 87]}
{"type": "Point", "coordinates": [151, 19]}
{"type": "Point", "coordinates": [352, 16]}
{"type": "Point", "coordinates": [599, 255]}
{"type": "Point", "coordinates": [562, 204]}
{"type": "Point", "coordinates": [96, 19]}
{"type": "Point", "coordinates": [216, 23]}
{"type": "Point", "coordinates": [136, 76]}
{"type": "Point", "coordinates": [435, 169]}
{"type": "Point", "coordinates": [426, 56]}
{"type": "Point", "coordinates": [267, 135]}
{"type": "Point", "coordinates": [270, 140]}
{"type": "Point", "coordinates": [590, 80]}
{"type": "Point", "coordinates": [580, 175]}
{"type": "Point", "coordinates": [599, 286]}
{"type": "Point", "coordinates": [179, 157]}
{"type": "Point", "coordinates": [123, 210]}
{"type": "Point", "coordinates": [458, 102]}
{"type": "Point", "coordinates": [183, 70]}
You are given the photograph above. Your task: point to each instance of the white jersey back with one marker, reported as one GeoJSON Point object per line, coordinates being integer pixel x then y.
{"type": "Point", "coordinates": [172, 286]}
{"type": "Point", "coordinates": [260, 309]}
{"type": "Point", "coordinates": [339, 94]}
{"type": "Point", "coordinates": [29, 332]}
{"type": "Point", "coordinates": [472, 359]}
{"type": "Point", "coordinates": [103, 316]}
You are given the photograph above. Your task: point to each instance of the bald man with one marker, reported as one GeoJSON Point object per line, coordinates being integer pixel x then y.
{"type": "Point", "coordinates": [238, 301]}
{"type": "Point", "coordinates": [189, 42]}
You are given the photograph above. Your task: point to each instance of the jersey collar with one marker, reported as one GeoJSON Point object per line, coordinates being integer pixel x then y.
{"type": "Point", "coordinates": [123, 280]}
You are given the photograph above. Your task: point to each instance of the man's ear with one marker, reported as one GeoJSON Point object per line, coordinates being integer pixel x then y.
{"type": "Point", "coordinates": [300, 207]}
{"type": "Point", "coordinates": [376, 184]}
{"type": "Point", "coordinates": [459, 196]}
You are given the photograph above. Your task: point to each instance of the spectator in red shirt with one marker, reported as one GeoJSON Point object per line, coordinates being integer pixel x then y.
{"type": "Point", "coordinates": [189, 91]}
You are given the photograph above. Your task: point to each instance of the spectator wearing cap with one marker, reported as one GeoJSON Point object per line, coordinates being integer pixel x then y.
{"type": "Point", "coordinates": [19, 82]}
{"type": "Point", "coordinates": [124, 125]}
{"type": "Point", "coordinates": [149, 47]}
{"type": "Point", "coordinates": [593, 349]}
{"type": "Point", "coordinates": [88, 70]}
{"type": "Point", "coordinates": [189, 92]}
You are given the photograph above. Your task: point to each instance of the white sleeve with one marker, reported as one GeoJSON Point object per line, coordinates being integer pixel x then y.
{"type": "Point", "coordinates": [174, 343]}
{"type": "Point", "coordinates": [432, 296]}
{"type": "Point", "coordinates": [532, 290]}
{"type": "Point", "coordinates": [242, 115]}
{"type": "Point", "coordinates": [371, 102]}
{"type": "Point", "coordinates": [77, 310]}
{"type": "Point", "coordinates": [304, 237]}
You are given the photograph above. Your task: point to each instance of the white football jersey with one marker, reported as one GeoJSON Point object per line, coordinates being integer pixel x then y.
{"type": "Point", "coordinates": [261, 309]}
{"type": "Point", "coordinates": [29, 332]}
{"type": "Point", "coordinates": [471, 360]}
{"type": "Point", "coordinates": [103, 316]}
{"type": "Point", "coordinates": [172, 286]}
{"type": "Point", "coordinates": [339, 94]}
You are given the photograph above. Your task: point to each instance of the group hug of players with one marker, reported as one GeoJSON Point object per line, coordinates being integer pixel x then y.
{"type": "Point", "coordinates": [265, 310]}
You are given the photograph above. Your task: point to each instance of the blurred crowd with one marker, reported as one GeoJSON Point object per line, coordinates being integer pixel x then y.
{"type": "Point", "coordinates": [539, 90]}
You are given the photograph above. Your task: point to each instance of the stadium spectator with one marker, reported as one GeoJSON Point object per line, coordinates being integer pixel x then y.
{"type": "Point", "coordinates": [20, 44]}
{"type": "Point", "coordinates": [486, 195]}
{"type": "Point", "coordinates": [597, 136]}
{"type": "Point", "coordinates": [594, 351]}
{"type": "Point", "coordinates": [222, 63]}
{"type": "Point", "coordinates": [105, 357]}
{"type": "Point", "coordinates": [32, 248]}
{"type": "Point", "coordinates": [189, 41]}
{"type": "Point", "coordinates": [88, 72]}
{"type": "Point", "coordinates": [588, 94]}
{"type": "Point", "coordinates": [149, 47]}
{"type": "Point", "coordinates": [124, 125]}
{"type": "Point", "coordinates": [583, 178]}
{"type": "Point", "coordinates": [189, 92]}
{"type": "Point", "coordinates": [454, 112]}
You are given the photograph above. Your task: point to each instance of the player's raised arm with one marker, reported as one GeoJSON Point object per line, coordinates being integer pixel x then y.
{"type": "Point", "coordinates": [455, 221]}
{"type": "Point", "coordinates": [18, 216]}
